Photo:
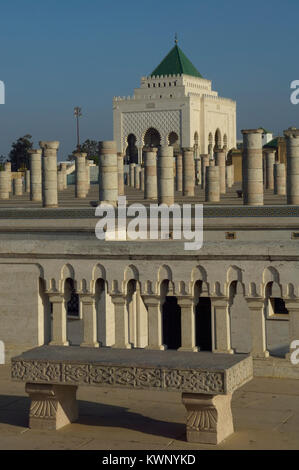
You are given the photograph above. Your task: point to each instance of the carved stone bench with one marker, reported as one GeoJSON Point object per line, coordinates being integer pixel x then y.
{"type": "Point", "coordinates": [206, 380]}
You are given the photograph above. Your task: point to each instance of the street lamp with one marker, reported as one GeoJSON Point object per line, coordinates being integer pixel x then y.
{"type": "Point", "coordinates": [77, 113]}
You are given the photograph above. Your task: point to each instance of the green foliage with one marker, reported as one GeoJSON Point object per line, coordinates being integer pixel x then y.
{"type": "Point", "coordinates": [19, 155]}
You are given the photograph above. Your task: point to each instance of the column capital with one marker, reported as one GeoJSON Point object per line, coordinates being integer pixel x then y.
{"type": "Point", "coordinates": [292, 304]}
{"type": "Point", "coordinates": [219, 301]}
{"type": "Point", "coordinates": [255, 302]}
{"type": "Point", "coordinates": [185, 300]}
{"type": "Point", "coordinates": [151, 299]}
{"type": "Point", "coordinates": [86, 297]}
{"type": "Point", "coordinates": [55, 297]}
{"type": "Point", "coordinates": [118, 299]}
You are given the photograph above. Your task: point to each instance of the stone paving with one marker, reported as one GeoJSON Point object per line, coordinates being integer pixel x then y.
{"type": "Point", "coordinates": [265, 411]}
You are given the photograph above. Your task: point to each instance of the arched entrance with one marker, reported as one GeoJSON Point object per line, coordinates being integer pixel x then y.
{"type": "Point", "coordinates": [171, 318]}
{"type": "Point", "coordinates": [217, 139]}
{"type": "Point", "coordinates": [210, 145]}
{"type": "Point", "coordinates": [173, 139]}
{"type": "Point", "coordinates": [203, 319]}
{"type": "Point", "coordinates": [152, 138]}
{"type": "Point", "coordinates": [132, 150]}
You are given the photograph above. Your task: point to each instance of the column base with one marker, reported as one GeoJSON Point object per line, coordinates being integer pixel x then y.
{"type": "Point", "coordinates": [209, 417]}
{"type": "Point", "coordinates": [161, 347]}
{"type": "Point", "coordinates": [122, 346]}
{"type": "Point", "coordinates": [51, 206]}
{"type": "Point", "coordinates": [59, 343]}
{"type": "Point", "coordinates": [52, 406]}
{"type": "Point", "coordinates": [224, 351]}
{"type": "Point", "coordinates": [191, 349]}
{"type": "Point", "coordinates": [90, 345]}
{"type": "Point", "coordinates": [261, 355]}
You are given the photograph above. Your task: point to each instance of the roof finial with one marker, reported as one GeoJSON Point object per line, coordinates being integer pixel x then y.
{"type": "Point", "coordinates": [176, 38]}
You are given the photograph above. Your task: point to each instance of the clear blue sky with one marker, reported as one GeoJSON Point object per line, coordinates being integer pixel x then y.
{"type": "Point", "coordinates": [59, 54]}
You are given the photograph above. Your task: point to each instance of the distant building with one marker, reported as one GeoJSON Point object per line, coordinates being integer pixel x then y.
{"type": "Point", "coordinates": [175, 106]}
{"type": "Point", "coordinates": [267, 136]}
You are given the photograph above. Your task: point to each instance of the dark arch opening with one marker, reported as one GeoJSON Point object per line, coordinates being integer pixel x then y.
{"type": "Point", "coordinates": [171, 313]}
{"type": "Point", "coordinates": [203, 324]}
{"type": "Point", "coordinates": [152, 138]}
{"type": "Point", "coordinates": [132, 150]}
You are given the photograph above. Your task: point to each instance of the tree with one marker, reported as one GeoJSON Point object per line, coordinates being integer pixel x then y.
{"type": "Point", "coordinates": [19, 155]}
{"type": "Point", "coordinates": [2, 161]}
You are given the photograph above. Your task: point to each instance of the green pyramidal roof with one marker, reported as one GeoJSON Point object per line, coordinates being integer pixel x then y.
{"type": "Point", "coordinates": [176, 63]}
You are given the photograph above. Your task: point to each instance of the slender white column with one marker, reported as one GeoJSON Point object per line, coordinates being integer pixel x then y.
{"type": "Point", "coordinates": [121, 322]}
{"type": "Point", "coordinates": [49, 173]}
{"type": "Point", "coordinates": [188, 172]}
{"type": "Point", "coordinates": [179, 172]}
{"type": "Point", "coordinates": [120, 174]}
{"type": "Point", "coordinates": [80, 173]}
{"type": "Point", "coordinates": [258, 326]}
{"type": "Point", "coordinates": [7, 168]}
{"type": "Point", "coordinates": [35, 175]}
{"type": "Point", "coordinates": [222, 325]}
{"type": "Point", "coordinates": [17, 187]}
{"type": "Point", "coordinates": [292, 140]}
{"type": "Point", "coordinates": [4, 193]}
{"type": "Point", "coordinates": [27, 181]}
{"type": "Point", "coordinates": [279, 179]}
{"type": "Point", "coordinates": [89, 315]}
{"type": "Point", "coordinates": [150, 174]}
{"type": "Point", "coordinates": [165, 176]}
{"type": "Point", "coordinates": [188, 342]}
{"type": "Point", "coordinates": [155, 335]}
{"type": "Point", "coordinates": [108, 179]}
{"type": "Point", "coordinates": [220, 161]}
{"type": "Point", "coordinates": [212, 188]}
{"type": "Point", "coordinates": [137, 177]}
{"type": "Point", "coordinates": [269, 162]}
{"type": "Point", "coordinates": [252, 167]}
{"type": "Point", "coordinates": [59, 331]}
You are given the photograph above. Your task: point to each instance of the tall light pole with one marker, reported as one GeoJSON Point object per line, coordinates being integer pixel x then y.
{"type": "Point", "coordinates": [77, 113]}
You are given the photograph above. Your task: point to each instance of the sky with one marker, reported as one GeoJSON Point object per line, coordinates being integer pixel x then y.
{"type": "Point", "coordinates": [55, 55]}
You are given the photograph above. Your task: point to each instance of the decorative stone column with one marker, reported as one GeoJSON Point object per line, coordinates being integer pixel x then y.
{"type": "Point", "coordinates": [121, 322]}
{"type": "Point", "coordinates": [52, 406]}
{"type": "Point", "coordinates": [63, 171]}
{"type": "Point", "coordinates": [59, 335]}
{"type": "Point", "coordinates": [165, 176]}
{"type": "Point", "coordinates": [205, 161]}
{"type": "Point", "coordinates": [80, 175]}
{"type": "Point", "coordinates": [279, 179]}
{"type": "Point", "coordinates": [209, 417]}
{"type": "Point", "coordinates": [220, 162]}
{"type": "Point", "coordinates": [137, 177]}
{"type": "Point", "coordinates": [252, 167]}
{"type": "Point", "coordinates": [222, 325]}
{"type": "Point", "coordinates": [27, 181]}
{"type": "Point", "coordinates": [108, 179]}
{"type": "Point", "coordinates": [60, 182]}
{"type": "Point", "coordinates": [7, 168]}
{"type": "Point", "coordinates": [188, 172]}
{"type": "Point", "coordinates": [17, 187]}
{"type": "Point", "coordinates": [87, 179]}
{"type": "Point", "coordinates": [35, 175]}
{"type": "Point", "coordinates": [49, 173]}
{"type": "Point", "coordinates": [120, 174]}
{"type": "Point", "coordinates": [89, 315]}
{"type": "Point", "coordinates": [4, 193]}
{"type": "Point", "coordinates": [229, 175]}
{"type": "Point", "coordinates": [141, 177]}
{"type": "Point", "coordinates": [132, 174]}
{"type": "Point", "coordinates": [197, 171]}
{"type": "Point", "coordinates": [187, 323]}
{"type": "Point", "coordinates": [150, 173]}
{"type": "Point", "coordinates": [155, 335]}
{"type": "Point", "coordinates": [212, 188]}
{"type": "Point", "coordinates": [256, 306]}
{"type": "Point", "coordinates": [269, 162]}
{"type": "Point", "coordinates": [179, 172]}
{"type": "Point", "coordinates": [292, 141]}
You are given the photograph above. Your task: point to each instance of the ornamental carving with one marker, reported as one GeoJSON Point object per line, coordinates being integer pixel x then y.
{"type": "Point", "coordinates": [202, 420]}
{"type": "Point", "coordinates": [189, 380]}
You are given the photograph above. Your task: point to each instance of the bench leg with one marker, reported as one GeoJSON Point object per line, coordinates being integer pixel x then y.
{"type": "Point", "coordinates": [52, 406]}
{"type": "Point", "coordinates": [209, 417]}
